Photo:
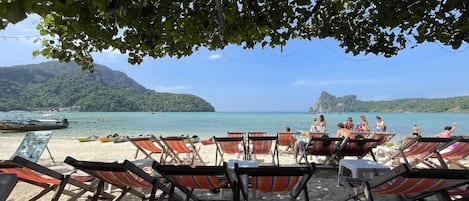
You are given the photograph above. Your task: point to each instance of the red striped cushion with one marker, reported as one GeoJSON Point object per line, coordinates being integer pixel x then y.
{"type": "Point", "coordinates": [122, 179]}
{"type": "Point", "coordinates": [177, 145]}
{"type": "Point", "coordinates": [148, 145]}
{"type": "Point", "coordinates": [29, 175]}
{"type": "Point", "coordinates": [229, 147]}
{"type": "Point", "coordinates": [274, 183]}
{"type": "Point", "coordinates": [199, 181]}
{"type": "Point", "coordinates": [401, 185]}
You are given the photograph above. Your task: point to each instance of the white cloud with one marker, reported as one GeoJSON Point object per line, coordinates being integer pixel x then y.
{"type": "Point", "coordinates": [214, 56]}
{"type": "Point", "coordinates": [170, 88]}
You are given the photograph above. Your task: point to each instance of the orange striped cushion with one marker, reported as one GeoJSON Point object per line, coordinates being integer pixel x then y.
{"type": "Point", "coordinates": [261, 146]}
{"type": "Point", "coordinates": [178, 145]}
{"type": "Point", "coordinates": [401, 185]}
{"type": "Point", "coordinates": [285, 139]}
{"type": "Point", "coordinates": [230, 147]}
{"type": "Point", "coordinates": [148, 145]}
{"type": "Point", "coordinates": [29, 175]}
{"type": "Point", "coordinates": [199, 181]}
{"type": "Point", "coordinates": [421, 148]}
{"type": "Point", "coordinates": [122, 179]}
{"type": "Point", "coordinates": [274, 183]}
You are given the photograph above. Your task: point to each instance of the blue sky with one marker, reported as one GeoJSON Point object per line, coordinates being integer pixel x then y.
{"type": "Point", "coordinates": [234, 79]}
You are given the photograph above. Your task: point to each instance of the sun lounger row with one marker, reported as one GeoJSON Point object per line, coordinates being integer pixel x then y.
{"type": "Point", "coordinates": [172, 182]}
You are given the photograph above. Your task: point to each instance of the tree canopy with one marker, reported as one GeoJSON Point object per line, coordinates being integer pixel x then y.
{"type": "Point", "coordinates": [73, 29]}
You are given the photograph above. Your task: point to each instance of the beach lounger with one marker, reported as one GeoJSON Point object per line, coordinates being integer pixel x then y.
{"type": "Point", "coordinates": [38, 175]}
{"type": "Point", "coordinates": [322, 146]}
{"type": "Point", "coordinates": [33, 145]}
{"type": "Point", "coordinates": [258, 145]}
{"type": "Point", "coordinates": [147, 146]}
{"type": "Point", "coordinates": [358, 147]}
{"type": "Point", "coordinates": [190, 178]}
{"type": "Point", "coordinates": [126, 176]}
{"type": "Point", "coordinates": [177, 145]}
{"type": "Point", "coordinates": [287, 139]}
{"type": "Point", "coordinates": [420, 148]}
{"type": "Point", "coordinates": [7, 183]}
{"type": "Point", "coordinates": [264, 179]}
{"type": "Point", "coordinates": [453, 153]}
{"type": "Point", "coordinates": [229, 145]}
{"type": "Point", "coordinates": [409, 183]}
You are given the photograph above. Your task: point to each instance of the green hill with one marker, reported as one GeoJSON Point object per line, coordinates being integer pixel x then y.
{"type": "Point", "coordinates": [54, 85]}
{"type": "Point", "coordinates": [349, 103]}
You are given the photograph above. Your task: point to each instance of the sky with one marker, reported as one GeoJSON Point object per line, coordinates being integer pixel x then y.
{"type": "Point", "coordinates": [272, 80]}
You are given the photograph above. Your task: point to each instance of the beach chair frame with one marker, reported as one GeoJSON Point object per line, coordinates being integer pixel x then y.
{"type": "Point", "coordinates": [147, 147]}
{"type": "Point", "coordinates": [32, 173]}
{"type": "Point", "coordinates": [316, 147]}
{"type": "Point", "coordinates": [126, 176]}
{"type": "Point", "coordinates": [228, 145]}
{"type": "Point", "coordinates": [358, 147]}
{"type": "Point", "coordinates": [177, 145]}
{"type": "Point", "coordinates": [420, 148]}
{"type": "Point", "coordinates": [263, 145]}
{"type": "Point", "coordinates": [7, 183]}
{"type": "Point", "coordinates": [188, 178]}
{"type": "Point", "coordinates": [276, 179]}
{"type": "Point", "coordinates": [459, 151]}
{"type": "Point", "coordinates": [408, 183]}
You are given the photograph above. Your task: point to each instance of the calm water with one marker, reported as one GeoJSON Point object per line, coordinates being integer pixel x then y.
{"type": "Point", "coordinates": [218, 123]}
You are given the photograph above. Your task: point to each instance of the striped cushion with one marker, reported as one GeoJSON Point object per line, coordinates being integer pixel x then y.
{"type": "Point", "coordinates": [122, 179]}
{"type": "Point", "coordinates": [421, 148]}
{"type": "Point", "coordinates": [199, 181]}
{"type": "Point", "coordinates": [229, 147]}
{"type": "Point", "coordinates": [148, 145]}
{"type": "Point", "coordinates": [261, 146]}
{"type": "Point", "coordinates": [285, 139]}
{"type": "Point", "coordinates": [29, 175]}
{"type": "Point", "coordinates": [274, 183]}
{"type": "Point", "coordinates": [458, 150]}
{"type": "Point", "coordinates": [401, 185]}
{"type": "Point", "coordinates": [177, 145]}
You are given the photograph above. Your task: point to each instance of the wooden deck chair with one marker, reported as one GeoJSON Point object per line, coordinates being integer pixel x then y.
{"type": "Point", "coordinates": [236, 134]}
{"type": "Point", "coordinates": [147, 146]}
{"type": "Point", "coordinates": [177, 145]}
{"type": "Point", "coordinates": [33, 144]}
{"type": "Point", "coordinates": [419, 148]}
{"type": "Point", "coordinates": [274, 179]}
{"type": "Point", "coordinates": [322, 146]}
{"type": "Point", "coordinates": [7, 183]}
{"type": "Point", "coordinates": [262, 145]}
{"type": "Point", "coordinates": [126, 176]}
{"type": "Point", "coordinates": [38, 175]}
{"type": "Point", "coordinates": [286, 139]}
{"type": "Point", "coordinates": [228, 145]}
{"type": "Point", "coordinates": [452, 153]}
{"type": "Point", "coordinates": [190, 178]}
{"type": "Point", "coordinates": [358, 147]}
{"type": "Point", "coordinates": [408, 183]}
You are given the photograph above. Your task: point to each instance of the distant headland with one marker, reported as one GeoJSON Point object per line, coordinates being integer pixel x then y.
{"type": "Point", "coordinates": [349, 103]}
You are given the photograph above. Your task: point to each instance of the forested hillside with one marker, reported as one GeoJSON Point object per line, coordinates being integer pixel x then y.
{"type": "Point", "coordinates": [330, 103]}
{"type": "Point", "coordinates": [54, 85]}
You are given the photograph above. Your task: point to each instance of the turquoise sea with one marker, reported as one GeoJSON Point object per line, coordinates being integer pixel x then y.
{"type": "Point", "coordinates": [210, 124]}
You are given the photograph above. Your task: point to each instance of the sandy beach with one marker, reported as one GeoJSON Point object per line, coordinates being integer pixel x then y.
{"type": "Point", "coordinates": [323, 185]}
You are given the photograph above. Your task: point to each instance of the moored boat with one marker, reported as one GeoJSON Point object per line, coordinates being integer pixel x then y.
{"type": "Point", "coordinates": [32, 125]}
